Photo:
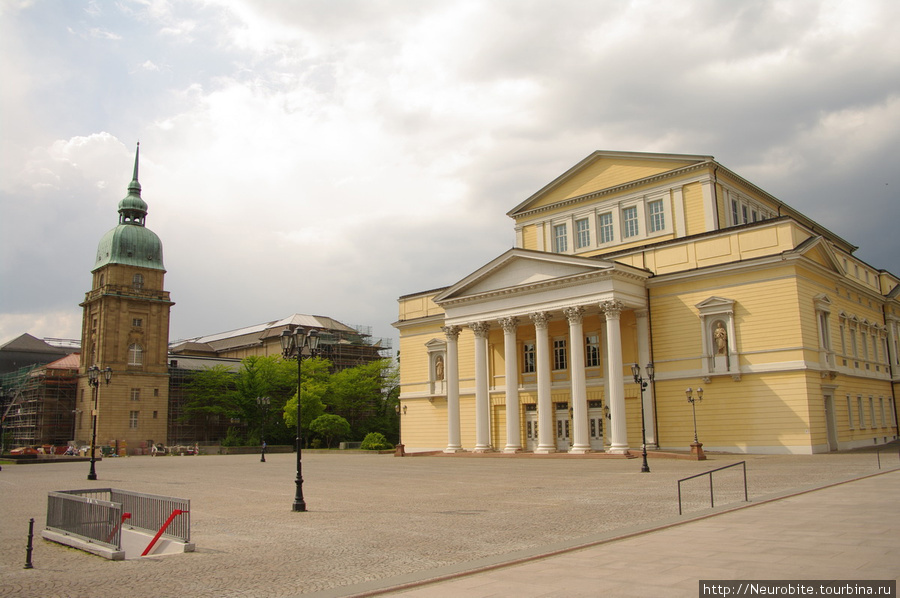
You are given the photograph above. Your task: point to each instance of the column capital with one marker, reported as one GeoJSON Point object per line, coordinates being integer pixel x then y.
{"type": "Point", "coordinates": [540, 319]}
{"type": "Point", "coordinates": [452, 332]}
{"type": "Point", "coordinates": [480, 329]}
{"type": "Point", "coordinates": [574, 314]}
{"type": "Point", "coordinates": [612, 308]}
{"type": "Point", "coordinates": [509, 324]}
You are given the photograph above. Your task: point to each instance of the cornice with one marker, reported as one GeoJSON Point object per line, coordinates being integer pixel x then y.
{"type": "Point", "coordinates": [530, 289]}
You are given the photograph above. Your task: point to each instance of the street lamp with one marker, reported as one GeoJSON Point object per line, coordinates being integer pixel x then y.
{"type": "Point", "coordinates": [696, 447]}
{"type": "Point", "coordinates": [293, 344]}
{"type": "Point", "coordinates": [263, 402]}
{"type": "Point", "coordinates": [94, 380]}
{"type": "Point", "coordinates": [638, 379]}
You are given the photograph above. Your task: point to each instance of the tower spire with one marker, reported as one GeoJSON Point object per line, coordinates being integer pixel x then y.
{"type": "Point", "coordinates": [135, 186]}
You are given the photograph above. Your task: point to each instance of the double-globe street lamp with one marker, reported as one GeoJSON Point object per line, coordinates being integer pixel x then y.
{"type": "Point", "coordinates": [643, 383]}
{"type": "Point", "coordinates": [696, 448]}
{"type": "Point", "coordinates": [94, 380]}
{"type": "Point", "coordinates": [293, 344]}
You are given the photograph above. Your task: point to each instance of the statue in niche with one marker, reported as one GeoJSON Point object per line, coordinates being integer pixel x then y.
{"type": "Point", "coordinates": [721, 338]}
{"type": "Point", "coordinates": [439, 368]}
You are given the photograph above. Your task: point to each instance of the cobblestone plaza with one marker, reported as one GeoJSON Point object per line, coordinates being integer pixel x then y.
{"type": "Point", "coordinates": [376, 521]}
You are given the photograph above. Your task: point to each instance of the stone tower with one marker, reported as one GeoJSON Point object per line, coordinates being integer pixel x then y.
{"type": "Point", "coordinates": [125, 327]}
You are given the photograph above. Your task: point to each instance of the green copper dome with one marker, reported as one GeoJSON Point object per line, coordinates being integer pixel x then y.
{"type": "Point", "coordinates": [131, 243]}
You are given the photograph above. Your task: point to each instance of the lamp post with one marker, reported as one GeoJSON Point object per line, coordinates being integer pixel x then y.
{"type": "Point", "coordinates": [696, 446]}
{"type": "Point", "coordinates": [294, 343]}
{"type": "Point", "coordinates": [263, 402]}
{"type": "Point", "coordinates": [639, 380]}
{"type": "Point", "coordinates": [94, 381]}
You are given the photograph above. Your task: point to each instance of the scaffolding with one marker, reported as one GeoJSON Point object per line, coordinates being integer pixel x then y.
{"type": "Point", "coordinates": [346, 349]}
{"type": "Point", "coordinates": [38, 405]}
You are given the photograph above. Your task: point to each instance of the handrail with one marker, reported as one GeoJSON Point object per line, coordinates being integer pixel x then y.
{"type": "Point", "coordinates": [709, 473]}
{"type": "Point", "coordinates": [883, 449]}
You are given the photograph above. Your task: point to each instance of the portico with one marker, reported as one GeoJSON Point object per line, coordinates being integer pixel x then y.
{"type": "Point", "coordinates": [523, 293]}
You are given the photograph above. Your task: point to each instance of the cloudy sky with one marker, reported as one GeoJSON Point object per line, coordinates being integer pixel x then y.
{"type": "Point", "coordinates": [328, 156]}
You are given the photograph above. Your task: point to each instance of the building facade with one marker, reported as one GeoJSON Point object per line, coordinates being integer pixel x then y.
{"type": "Point", "coordinates": [636, 258]}
{"type": "Point", "coordinates": [125, 327]}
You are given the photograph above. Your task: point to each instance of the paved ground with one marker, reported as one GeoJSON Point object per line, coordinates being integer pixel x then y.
{"type": "Point", "coordinates": [378, 523]}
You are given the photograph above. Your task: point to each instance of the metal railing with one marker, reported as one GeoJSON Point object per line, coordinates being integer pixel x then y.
{"type": "Point", "coordinates": [711, 491]}
{"type": "Point", "coordinates": [150, 511]}
{"type": "Point", "coordinates": [72, 512]}
{"type": "Point", "coordinates": [882, 450]}
{"type": "Point", "coordinates": [91, 519]}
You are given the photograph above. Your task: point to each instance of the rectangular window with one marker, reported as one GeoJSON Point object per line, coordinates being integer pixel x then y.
{"type": "Point", "coordinates": [843, 342]}
{"type": "Point", "coordinates": [559, 354]}
{"type": "Point", "coordinates": [871, 412]}
{"type": "Point", "coordinates": [883, 413]}
{"type": "Point", "coordinates": [135, 394]}
{"type": "Point", "coordinates": [137, 322]}
{"type": "Point", "coordinates": [155, 413]}
{"type": "Point", "coordinates": [735, 218]}
{"type": "Point", "coordinates": [583, 233]}
{"type": "Point", "coordinates": [560, 240]}
{"type": "Point", "coordinates": [860, 412]}
{"type": "Point", "coordinates": [657, 216]}
{"type": "Point", "coordinates": [527, 358]}
{"type": "Point", "coordinates": [592, 350]}
{"type": "Point", "coordinates": [744, 214]}
{"type": "Point", "coordinates": [630, 222]}
{"type": "Point", "coordinates": [849, 412]}
{"type": "Point", "coordinates": [606, 228]}
{"type": "Point", "coordinates": [853, 346]}
{"type": "Point", "coordinates": [865, 344]}
{"type": "Point", "coordinates": [133, 419]}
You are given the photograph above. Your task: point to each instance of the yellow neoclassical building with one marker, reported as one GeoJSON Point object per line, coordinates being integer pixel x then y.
{"type": "Point", "coordinates": [664, 259]}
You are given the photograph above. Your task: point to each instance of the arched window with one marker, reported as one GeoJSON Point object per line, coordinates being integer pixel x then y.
{"type": "Point", "coordinates": [135, 355]}
{"type": "Point", "coordinates": [137, 281]}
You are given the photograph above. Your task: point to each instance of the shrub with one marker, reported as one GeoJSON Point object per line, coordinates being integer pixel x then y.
{"type": "Point", "coordinates": [375, 441]}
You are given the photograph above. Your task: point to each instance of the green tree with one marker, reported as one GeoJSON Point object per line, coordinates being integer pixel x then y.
{"type": "Point", "coordinates": [363, 396]}
{"type": "Point", "coordinates": [330, 427]}
{"type": "Point", "coordinates": [268, 376]}
{"type": "Point", "coordinates": [314, 387]}
{"type": "Point", "coordinates": [211, 393]}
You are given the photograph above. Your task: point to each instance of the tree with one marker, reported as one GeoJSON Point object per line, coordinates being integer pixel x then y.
{"type": "Point", "coordinates": [211, 394]}
{"type": "Point", "coordinates": [314, 387]}
{"type": "Point", "coordinates": [362, 395]}
{"type": "Point", "coordinates": [330, 427]}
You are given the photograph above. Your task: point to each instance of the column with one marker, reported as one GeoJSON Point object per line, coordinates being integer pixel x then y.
{"type": "Point", "coordinates": [546, 427]}
{"type": "Point", "coordinates": [510, 353]}
{"type": "Point", "coordinates": [581, 441]}
{"type": "Point", "coordinates": [643, 339]}
{"type": "Point", "coordinates": [482, 401]}
{"type": "Point", "coordinates": [617, 428]}
{"type": "Point", "coordinates": [454, 442]}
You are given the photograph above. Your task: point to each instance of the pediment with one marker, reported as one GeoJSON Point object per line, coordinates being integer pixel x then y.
{"type": "Point", "coordinates": [819, 251]}
{"type": "Point", "coordinates": [606, 170]}
{"type": "Point", "coordinates": [521, 268]}
{"type": "Point", "coordinates": [715, 305]}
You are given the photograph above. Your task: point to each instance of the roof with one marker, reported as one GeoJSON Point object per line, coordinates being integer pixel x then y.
{"type": "Point", "coordinates": [251, 335]}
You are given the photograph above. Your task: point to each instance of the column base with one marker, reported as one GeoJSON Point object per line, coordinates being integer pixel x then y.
{"type": "Point", "coordinates": [697, 451]}
{"type": "Point", "coordinates": [483, 449]}
{"type": "Point", "coordinates": [454, 449]}
{"type": "Point", "coordinates": [544, 450]}
{"type": "Point", "coordinates": [580, 450]}
{"type": "Point", "coordinates": [617, 450]}
{"type": "Point", "coordinates": [512, 449]}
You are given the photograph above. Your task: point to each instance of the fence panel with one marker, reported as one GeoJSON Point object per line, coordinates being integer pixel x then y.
{"type": "Point", "coordinates": [86, 517]}
{"type": "Point", "coordinates": [150, 511]}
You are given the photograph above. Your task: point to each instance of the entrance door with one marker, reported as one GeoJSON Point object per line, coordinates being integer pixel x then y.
{"type": "Point", "coordinates": [830, 424]}
{"type": "Point", "coordinates": [596, 420]}
{"type": "Point", "coordinates": [531, 427]}
{"type": "Point", "coordinates": [562, 427]}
